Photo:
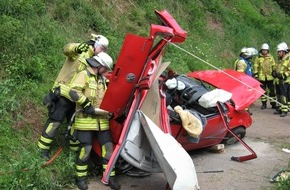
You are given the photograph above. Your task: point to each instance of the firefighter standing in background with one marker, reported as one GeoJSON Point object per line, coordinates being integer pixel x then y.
{"type": "Point", "coordinates": [241, 58]}
{"type": "Point", "coordinates": [87, 90]}
{"type": "Point", "coordinates": [263, 68]}
{"type": "Point", "coordinates": [281, 74]}
{"type": "Point", "coordinates": [243, 64]}
{"type": "Point", "coordinates": [58, 101]}
{"type": "Point", "coordinates": [287, 73]}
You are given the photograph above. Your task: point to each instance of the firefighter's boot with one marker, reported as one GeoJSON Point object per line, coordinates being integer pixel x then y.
{"type": "Point", "coordinates": [113, 183]}
{"type": "Point", "coordinates": [82, 183]}
{"type": "Point", "coordinates": [278, 111]}
{"type": "Point", "coordinates": [283, 114]}
{"type": "Point", "coordinates": [45, 154]}
{"type": "Point", "coordinates": [273, 106]}
{"type": "Point", "coordinates": [264, 105]}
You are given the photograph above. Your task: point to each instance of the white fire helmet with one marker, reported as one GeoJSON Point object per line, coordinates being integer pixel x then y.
{"type": "Point", "coordinates": [251, 52]}
{"type": "Point", "coordinates": [105, 60]}
{"type": "Point", "coordinates": [282, 47]}
{"type": "Point", "coordinates": [100, 40]}
{"type": "Point", "coordinates": [265, 46]}
{"type": "Point", "coordinates": [243, 50]}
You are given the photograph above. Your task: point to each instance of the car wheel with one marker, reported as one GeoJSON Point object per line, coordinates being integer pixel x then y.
{"type": "Point", "coordinates": [230, 139]}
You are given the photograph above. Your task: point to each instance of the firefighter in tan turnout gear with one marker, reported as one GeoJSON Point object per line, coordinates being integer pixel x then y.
{"type": "Point", "coordinates": [263, 68]}
{"type": "Point", "coordinates": [60, 106]}
{"type": "Point", "coordinates": [244, 65]}
{"type": "Point", "coordinates": [87, 90]}
{"type": "Point", "coordinates": [282, 79]}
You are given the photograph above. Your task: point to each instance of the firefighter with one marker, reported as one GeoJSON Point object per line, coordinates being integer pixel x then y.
{"type": "Point", "coordinates": [263, 68]}
{"type": "Point", "coordinates": [242, 54]}
{"type": "Point", "coordinates": [58, 101]}
{"type": "Point", "coordinates": [281, 74]}
{"type": "Point", "coordinates": [243, 64]}
{"type": "Point", "coordinates": [87, 90]}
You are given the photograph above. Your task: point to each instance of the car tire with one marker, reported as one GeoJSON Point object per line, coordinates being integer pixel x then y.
{"type": "Point", "coordinates": [230, 139]}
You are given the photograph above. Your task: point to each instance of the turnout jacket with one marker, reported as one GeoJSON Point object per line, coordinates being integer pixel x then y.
{"type": "Point", "coordinates": [283, 67]}
{"type": "Point", "coordinates": [88, 85]}
{"type": "Point", "coordinates": [243, 65]}
{"type": "Point", "coordinates": [74, 63]}
{"type": "Point", "coordinates": [263, 66]}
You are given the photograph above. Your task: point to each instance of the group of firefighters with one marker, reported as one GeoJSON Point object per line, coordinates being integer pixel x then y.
{"type": "Point", "coordinates": [273, 75]}
{"type": "Point", "coordinates": [78, 91]}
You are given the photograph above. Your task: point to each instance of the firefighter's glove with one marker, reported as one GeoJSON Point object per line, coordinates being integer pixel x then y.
{"type": "Point", "coordinates": [274, 74]}
{"type": "Point", "coordinates": [90, 110]}
{"type": "Point", "coordinates": [190, 123]}
{"type": "Point", "coordinates": [83, 47]}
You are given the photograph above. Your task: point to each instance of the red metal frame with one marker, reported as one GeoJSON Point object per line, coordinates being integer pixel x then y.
{"type": "Point", "coordinates": [224, 117]}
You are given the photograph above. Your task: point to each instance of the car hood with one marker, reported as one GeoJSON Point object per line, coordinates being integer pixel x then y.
{"type": "Point", "coordinates": [245, 89]}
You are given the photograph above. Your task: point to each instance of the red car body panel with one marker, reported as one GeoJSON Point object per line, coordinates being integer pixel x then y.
{"type": "Point", "coordinates": [125, 75]}
{"type": "Point", "coordinates": [245, 89]}
{"type": "Point", "coordinates": [168, 20]}
{"type": "Point", "coordinates": [214, 131]}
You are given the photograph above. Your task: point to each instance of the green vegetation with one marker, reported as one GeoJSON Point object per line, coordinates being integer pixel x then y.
{"type": "Point", "coordinates": [33, 33]}
{"type": "Point", "coordinates": [284, 184]}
